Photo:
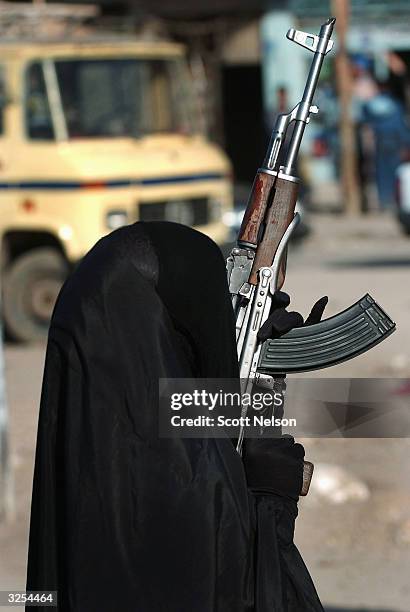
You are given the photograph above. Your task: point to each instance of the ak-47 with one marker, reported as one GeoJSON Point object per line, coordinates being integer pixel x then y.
{"type": "Point", "coordinates": [257, 266]}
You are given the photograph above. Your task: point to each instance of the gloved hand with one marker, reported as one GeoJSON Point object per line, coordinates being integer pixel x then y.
{"type": "Point", "coordinates": [274, 466]}
{"type": "Point", "coordinates": [281, 321]}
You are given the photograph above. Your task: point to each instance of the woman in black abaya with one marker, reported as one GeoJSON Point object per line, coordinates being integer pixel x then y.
{"type": "Point", "coordinates": [122, 520]}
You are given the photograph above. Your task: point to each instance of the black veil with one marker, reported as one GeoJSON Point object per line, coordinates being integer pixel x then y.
{"type": "Point", "coordinates": [122, 520]}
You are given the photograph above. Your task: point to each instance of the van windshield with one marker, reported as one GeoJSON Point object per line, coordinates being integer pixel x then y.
{"type": "Point", "coordinates": [124, 97]}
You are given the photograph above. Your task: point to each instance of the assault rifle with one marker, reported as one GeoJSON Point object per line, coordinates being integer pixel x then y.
{"type": "Point", "coordinates": [257, 265]}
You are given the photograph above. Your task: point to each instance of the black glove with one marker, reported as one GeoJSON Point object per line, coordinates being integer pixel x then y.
{"type": "Point", "coordinates": [274, 466]}
{"type": "Point", "coordinates": [281, 321]}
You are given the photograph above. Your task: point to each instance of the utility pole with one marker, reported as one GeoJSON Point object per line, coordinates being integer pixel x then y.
{"type": "Point", "coordinates": [349, 175]}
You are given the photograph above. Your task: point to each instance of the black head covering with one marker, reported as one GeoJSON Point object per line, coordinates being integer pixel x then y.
{"type": "Point", "coordinates": [121, 519]}
{"type": "Point", "coordinates": [192, 286]}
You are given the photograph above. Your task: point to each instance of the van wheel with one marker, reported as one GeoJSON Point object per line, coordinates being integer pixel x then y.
{"type": "Point", "coordinates": [30, 287]}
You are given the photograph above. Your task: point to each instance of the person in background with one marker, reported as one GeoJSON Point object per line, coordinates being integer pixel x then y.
{"type": "Point", "coordinates": [364, 89]}
{"type": "Point", "coordinates": [384, 114]}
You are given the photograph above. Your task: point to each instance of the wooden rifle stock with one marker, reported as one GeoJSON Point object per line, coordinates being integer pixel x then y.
{"type": "Point", "coordinates": [270, 210]}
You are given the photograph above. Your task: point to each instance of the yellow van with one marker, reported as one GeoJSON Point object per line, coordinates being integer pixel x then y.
{"type": "Point", "coordinates": [94, 135]}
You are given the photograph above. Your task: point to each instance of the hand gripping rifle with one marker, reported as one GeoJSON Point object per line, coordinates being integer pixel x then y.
{"type": "Point", "coordinates": [257, 266]}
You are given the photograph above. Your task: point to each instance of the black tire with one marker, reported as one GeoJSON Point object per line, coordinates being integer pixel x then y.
{"type": "Point", "coordinates": [30, 287]}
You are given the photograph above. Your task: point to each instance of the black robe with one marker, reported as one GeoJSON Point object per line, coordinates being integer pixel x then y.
{"type": "Point", "coordinates": [122, 520]}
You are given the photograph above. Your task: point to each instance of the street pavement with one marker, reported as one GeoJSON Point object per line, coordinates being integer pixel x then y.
{"type": "Point", "coordinates": [358, 550]}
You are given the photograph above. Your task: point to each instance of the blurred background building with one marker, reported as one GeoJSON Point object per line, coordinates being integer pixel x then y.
{"type": "Point", "coordinates": [244, 67]}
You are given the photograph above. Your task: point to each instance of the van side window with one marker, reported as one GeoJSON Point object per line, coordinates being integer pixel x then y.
{"type": "Point", "coordinates": [39, 125]}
